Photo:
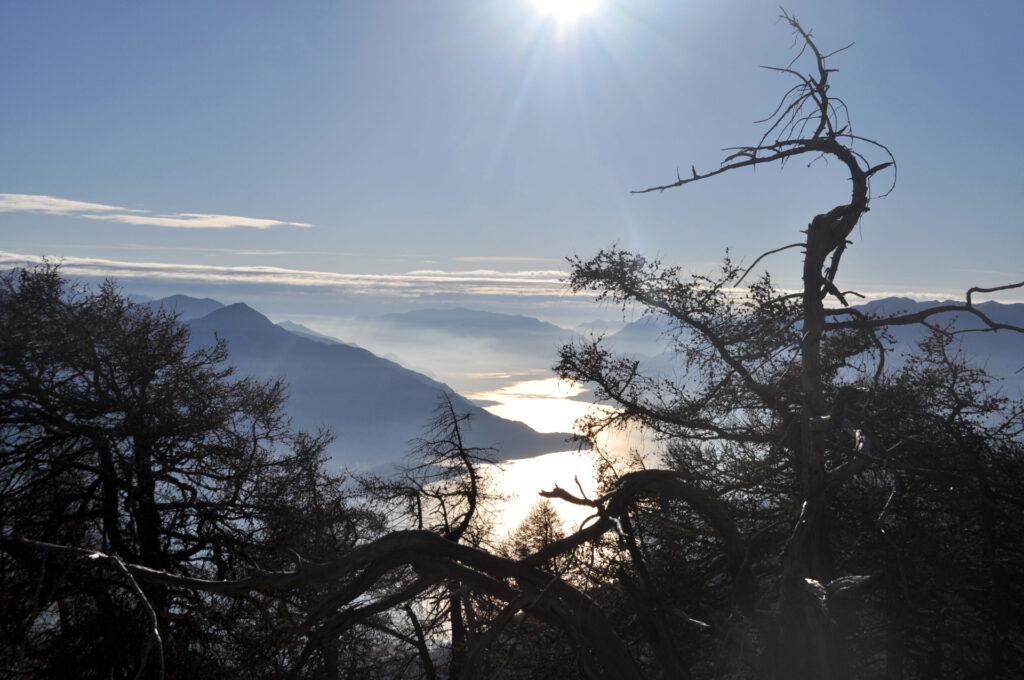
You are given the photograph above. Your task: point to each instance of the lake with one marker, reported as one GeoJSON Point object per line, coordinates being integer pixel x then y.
{"type": "Point", "coordinates": [549, 405]}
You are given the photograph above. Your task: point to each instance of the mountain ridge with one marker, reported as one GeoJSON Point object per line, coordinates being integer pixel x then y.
{"type": "Point", "coordinates": [375, 406]}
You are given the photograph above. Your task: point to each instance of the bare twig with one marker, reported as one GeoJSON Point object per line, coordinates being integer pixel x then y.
{"type": "Point", "coordinates": [764, 255]}
{"type": "Point", "coordinates": [154, 624]}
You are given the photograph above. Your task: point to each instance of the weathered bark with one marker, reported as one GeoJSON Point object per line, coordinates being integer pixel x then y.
{"type": "Point", "coordinates": [650, 611]}
{"type": "Point", "coordinates": [421, 644]}
{"type": "Point", "coordinates": [109, 502]}
{"type": "Point", "coordinates": [457, 659]}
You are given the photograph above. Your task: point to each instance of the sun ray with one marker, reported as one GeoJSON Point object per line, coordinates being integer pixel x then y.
{"type": "Point", "coordinates": [565, 11]}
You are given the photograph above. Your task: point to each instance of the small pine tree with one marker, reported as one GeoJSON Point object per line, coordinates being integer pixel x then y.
{"type": "Point", "coordinates": [541, 527]}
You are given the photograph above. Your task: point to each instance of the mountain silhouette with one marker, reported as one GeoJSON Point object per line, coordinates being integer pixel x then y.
{"type": "Point", "coordinates": [186, 307]}
{"type": "Point", "coordinates": [1001, 353]}
{"type": "Point", "coordinates": [374, 406]}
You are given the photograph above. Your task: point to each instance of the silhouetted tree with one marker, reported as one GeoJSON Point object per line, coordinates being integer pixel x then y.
{"type": "Point", "coordinates": [443, 491]}
{"type": "Point", "coordinates": [539, 529]}
{"type": "Point", "coordinates": [119, 437]}
{"type": "Point", "coordinates": [776, 414]}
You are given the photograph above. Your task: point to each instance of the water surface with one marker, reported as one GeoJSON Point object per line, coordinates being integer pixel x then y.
{"type": "Point", "coordinates": [549, 405]}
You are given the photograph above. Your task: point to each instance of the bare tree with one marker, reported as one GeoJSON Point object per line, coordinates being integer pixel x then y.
{"type": "Point", "coordinates": [444, 491]}
{"type": "Point", "coordinates": [767, 365]}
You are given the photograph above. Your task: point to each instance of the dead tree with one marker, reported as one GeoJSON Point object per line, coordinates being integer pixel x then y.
{"type": "Point", "coordinates": [750, 397]}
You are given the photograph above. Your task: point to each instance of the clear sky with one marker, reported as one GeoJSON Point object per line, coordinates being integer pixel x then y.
{"type": "Point", "coordinates": [343, 145]}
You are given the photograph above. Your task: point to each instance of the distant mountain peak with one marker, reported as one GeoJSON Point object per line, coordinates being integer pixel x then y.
{"type": "Point", "coordinates": [373, 405]}
{"type": "Point", "coordinates": [179, 298]}
{"type": "Point", "coordinates": [186, 307]}
{"type": "Point", "coordinates": [239, 312]}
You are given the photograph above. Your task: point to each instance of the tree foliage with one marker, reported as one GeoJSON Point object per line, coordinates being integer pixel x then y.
{"type": "Point", "coordinates": [117, 435]}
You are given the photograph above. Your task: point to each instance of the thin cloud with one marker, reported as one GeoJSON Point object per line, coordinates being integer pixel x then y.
{"type": "Point", "coordinates": [408, 284]}
{"type": "Point", "coordinates": [246, 252]}
{"type": "Point", "coordinates": [53, 205]}
{"type": "Point", "coordinates": [544, 283]}
{"type": "Point", "coordinates": [505, 258]}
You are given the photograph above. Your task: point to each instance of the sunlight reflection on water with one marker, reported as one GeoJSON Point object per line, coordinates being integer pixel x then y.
{"type": "Point", "coordinates": [521, 480]}
{"type": "Point", "coordinates": [544, 405]}
{"type": "Point", "coordinates": [549, 405]}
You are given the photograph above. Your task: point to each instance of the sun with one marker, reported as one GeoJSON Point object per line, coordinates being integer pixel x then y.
{"type": "Point", "coordinates": [565, 11]}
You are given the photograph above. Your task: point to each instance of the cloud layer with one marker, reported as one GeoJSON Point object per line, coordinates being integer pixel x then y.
{"type": "Point", "coordinates": [542, 283]}
{"type": "Point", "coordinates": [52, 205]}
{"type": "Point", "coordinates": [408, 284]}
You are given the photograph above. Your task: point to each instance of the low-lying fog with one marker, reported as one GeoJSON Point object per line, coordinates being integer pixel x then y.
{"type": "Point", "coordinates": [507, 370]}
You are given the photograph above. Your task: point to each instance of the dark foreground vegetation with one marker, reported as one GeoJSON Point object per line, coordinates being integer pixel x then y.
{"type": "Point", "coordinates": [817, 514]}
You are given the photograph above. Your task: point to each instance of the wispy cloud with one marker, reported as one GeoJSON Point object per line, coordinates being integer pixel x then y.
{"type": "Point", "coordinates": [53, 205]}
{"type": "Point", "coordinates": [194, 221]}
{"type": "Point", "coordinates": [506, 258]}
{"type": "Point", "coordinates": [539, 283]}
{"type": "Point", "coordinates": [407, 284]}
{"type": "Point", "coordinates": [242, 252]}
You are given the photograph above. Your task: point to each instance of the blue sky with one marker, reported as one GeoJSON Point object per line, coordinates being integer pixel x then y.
{"type": "Point", "coordinates": [484, 136]}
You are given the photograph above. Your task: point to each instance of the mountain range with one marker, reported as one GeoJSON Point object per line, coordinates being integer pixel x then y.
{"type": "Point", "coordinates": [376, 407]}
{"type": "Point", "coordinates": [465, 321]}
{"type": "Point", "coordinates": [508, 334]}
{"type": "Point", "coordinates": [1002, 353]}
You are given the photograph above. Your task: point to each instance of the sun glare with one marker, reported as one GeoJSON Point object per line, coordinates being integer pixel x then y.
{"type": "Point", "coordinates": [565, 11]}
